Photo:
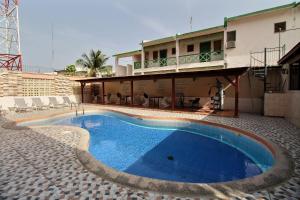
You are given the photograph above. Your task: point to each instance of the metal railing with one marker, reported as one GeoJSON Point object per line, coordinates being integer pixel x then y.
{"type": "Point", "coordinates": [202, 57]}
{"type": "Point", "coordinates": [137, 65]}
{"type": "Point", "coordinates": [269, 57]}
{"type": "Point", "coordinates": [185, 59]}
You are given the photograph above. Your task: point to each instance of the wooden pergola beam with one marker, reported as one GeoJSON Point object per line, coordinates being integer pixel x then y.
{"type": "Point", "coordinates": [232, 82]}
{"type": "Point", "coordinates": [210, 73]}
{"type": "Point", "coordinates": [103, 93]}
{"type": "Point", "coordinates": [173, 93]}
{"type": "Point", "coordinates": [131, 86]}
{"type": "Point", "coordinates": [236, 96]}
{"type": "Point", "coordinates": [82, 85]}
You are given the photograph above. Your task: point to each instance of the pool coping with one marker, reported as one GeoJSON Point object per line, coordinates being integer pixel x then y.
{"type": "Point", "coordinates": [280, 172]}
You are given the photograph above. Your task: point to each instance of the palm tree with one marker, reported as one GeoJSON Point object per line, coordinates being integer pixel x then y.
{"type": "Point", "coordinates": [94, 62]}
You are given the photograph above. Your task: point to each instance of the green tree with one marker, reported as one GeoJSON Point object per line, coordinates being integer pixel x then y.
{"type": "Point", "coordinates": [94, 62]}
{"type": "Point", "coordinates": [71, 69]}
{"type": "Point", "coordinates": [106, 71]}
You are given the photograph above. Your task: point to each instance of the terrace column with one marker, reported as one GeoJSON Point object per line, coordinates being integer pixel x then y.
{"type": "Point", "coordinates": [177, 53]}
{"type": "Point", "coordinates": [237, 87]}
{"type": "Point", "coordinates": [103, 93]}
{"type": "Point", "coordinates": [143, 58]}
{"type": "Point", "coordinates": [116, 63]}
{"type": "Point", "coordinates": [131, 85]}
{"type": "Point", "coordinates": [82, 85]}
{"type": "Point", "coordinates": [173, 93]}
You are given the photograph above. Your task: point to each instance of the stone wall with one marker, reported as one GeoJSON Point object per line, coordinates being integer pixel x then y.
{"type": "Point", "coordinates": [14, 83]}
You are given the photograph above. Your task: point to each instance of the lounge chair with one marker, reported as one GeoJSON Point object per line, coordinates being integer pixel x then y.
{"type": "Point", "coordinates": [195, 103]}
{"type": "Point", "coordinates": [68, 102]}
{"type": "Point", "coordinates": [121, 98]}
{"type": "Point", "coordinates": [146, 100]}
{"type": "Point", "coordinates": [20, 105]}
{"type": "Point", "coordinates": [2, 111]}
{"type": "Point", "coordinates": [38, 104]}
{"type": "Point", "coordinates": [107, 98]}
{"type": "Point", "coordinates": [164, 103]}
{"type": "Point", "coordinates": [53, 103]}
{"type": "Point", "coordinates": [180, 102]}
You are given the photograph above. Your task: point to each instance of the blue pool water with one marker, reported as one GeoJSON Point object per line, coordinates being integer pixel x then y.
{"type": "Point", "coordinates": [176, 151]}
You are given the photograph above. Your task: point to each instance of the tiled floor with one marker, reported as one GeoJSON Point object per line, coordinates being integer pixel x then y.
{"type": "Point", "coordinates": [41, 163]}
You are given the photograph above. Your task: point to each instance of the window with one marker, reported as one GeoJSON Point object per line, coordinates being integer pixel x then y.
{"type": "Point", "coordinates": [190, 48]}
{"type": "Point", "coordinates": [279, 27]}
{"type": "Point", "coordinates": [173, 51]}
{"type": "Point", "coordinates": [294, 77]}
{"type": "Point", "coordinates": [155, 55]}
{"type": "Point", "coordinates": [231, 36]}
{"type": "Point", "coordinates": [218, 45]}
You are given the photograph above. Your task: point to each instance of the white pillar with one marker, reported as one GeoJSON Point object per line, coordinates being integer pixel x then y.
{"type": "Point", "coordinates": [177, 53]}
{"type": "Point", "coordinates": [143, 58]}
{"type": "Point", "coordinates": [116, 64]}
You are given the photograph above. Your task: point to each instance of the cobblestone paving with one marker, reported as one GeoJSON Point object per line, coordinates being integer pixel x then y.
{"type": "Point", "coordinates": [41, 163]}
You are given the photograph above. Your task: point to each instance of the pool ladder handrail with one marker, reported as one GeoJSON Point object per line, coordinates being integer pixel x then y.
{"type": "Point", "coordinates": [83, 112]}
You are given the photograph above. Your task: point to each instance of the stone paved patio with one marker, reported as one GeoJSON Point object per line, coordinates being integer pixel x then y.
{"type": "Point", "coordinates": [41, 163]}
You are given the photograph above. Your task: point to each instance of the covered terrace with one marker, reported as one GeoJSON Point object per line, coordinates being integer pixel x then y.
{"type": "Point", "coordinates": [232, 76]}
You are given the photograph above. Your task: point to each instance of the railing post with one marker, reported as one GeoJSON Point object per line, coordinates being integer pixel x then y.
{"type": "Point", "coordinates": [265, 72]}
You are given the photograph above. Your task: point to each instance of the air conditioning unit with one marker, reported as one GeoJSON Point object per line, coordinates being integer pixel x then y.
{"type": "Point", "coordinates": [230, 44]}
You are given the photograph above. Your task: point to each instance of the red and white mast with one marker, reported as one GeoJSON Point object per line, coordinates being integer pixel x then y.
{"type": "Point", "coordinates": [10, 44]}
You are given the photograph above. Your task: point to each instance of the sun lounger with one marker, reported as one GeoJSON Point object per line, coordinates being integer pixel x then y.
{"type": "Point", "coordinates": [146, 100]}
{"type": "Point", "coordinates": [38, 104]}
{"type": "Point", "coordinates": [107, 98]}
{"type": "Point", "coordinates": [20, 105]}
{"type": "Point", "coordinates": [121, 99]}
{"type": "Point", "coordinates": [2, 111]}
{"type": "Point", "coordinates": [164, 103]}
{"type": "Point", "coordinates": [68, 102]}
{"type": "Point", "coordinates": [195, 103]}
{"type": "Point", "coordinates": [53, 103]}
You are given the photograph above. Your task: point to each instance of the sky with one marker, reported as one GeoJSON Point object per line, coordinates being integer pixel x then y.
{"type": "Point", "coordinates": [114, 26]}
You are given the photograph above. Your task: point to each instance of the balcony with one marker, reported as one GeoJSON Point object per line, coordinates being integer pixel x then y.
{"type": "Point", "coordinates": [202, 57]}
{"type": "Point", "coordinates": [184, 59]}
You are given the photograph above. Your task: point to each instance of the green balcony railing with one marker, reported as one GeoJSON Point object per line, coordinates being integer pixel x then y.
{"type": "Point", "coordinates": [186, 59]}
{"type": "Point", "coordinates": [202, 57]}
{"type": "Point", "coordinates": [137, 65]}
{"type": "Point", "coordinates": [160, 62]}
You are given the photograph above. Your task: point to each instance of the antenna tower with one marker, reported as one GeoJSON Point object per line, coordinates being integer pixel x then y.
{"type": "Point", "coordinates": [10, 50]}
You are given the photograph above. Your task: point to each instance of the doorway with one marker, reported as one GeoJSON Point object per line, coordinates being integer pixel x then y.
{"type": "Point", "coordinates": [205, 49]}
{"type": "Point", "coordinates": [163, 57]}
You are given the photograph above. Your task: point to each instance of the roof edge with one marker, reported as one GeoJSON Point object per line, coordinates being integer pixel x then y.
{"type": "Point", "coordinates": [290, 5]}
{"type": "Point", "coordinates": [127, 53]}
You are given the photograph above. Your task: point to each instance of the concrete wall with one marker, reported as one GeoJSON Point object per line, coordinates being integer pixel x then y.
{"type": "Point", "coordinates": [293, 107]}
{"type": "Point", "coordinates": [283, 105]}
{"type": "Point", "coordinates": [254, 33]}
{"type": "Point", "coordinates": [121, 70]}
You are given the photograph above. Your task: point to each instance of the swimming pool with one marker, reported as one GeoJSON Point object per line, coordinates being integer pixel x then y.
{"type": "Point", "coordinates": [171, 150]}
